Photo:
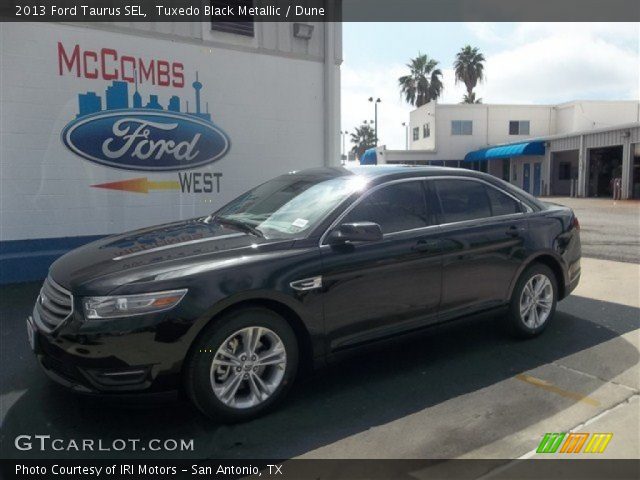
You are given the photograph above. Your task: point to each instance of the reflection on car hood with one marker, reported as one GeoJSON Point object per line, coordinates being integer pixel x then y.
{"type": "Point", "coordinates": [172, 244]}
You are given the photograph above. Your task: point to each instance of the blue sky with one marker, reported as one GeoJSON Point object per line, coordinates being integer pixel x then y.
{"type": "Point", "coordinates": [391, 42]}
{"type": "Point", "coordinates": [526, 63]}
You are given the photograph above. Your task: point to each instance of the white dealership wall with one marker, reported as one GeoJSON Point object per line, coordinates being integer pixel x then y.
{"type": "Point", "coordinates": [272, 94]}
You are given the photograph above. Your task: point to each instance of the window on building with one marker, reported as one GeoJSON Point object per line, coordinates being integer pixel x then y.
{"type": "Point", "coordinates": [519, 127]}
{"type": "Point", "coordinates": [416, 133]}
{"type": "Point", "coordinates": [461, 127]}
{"type": "Point", "coordinates": [502, 204]}
{"type": "Point", "coordinates": [506, 167]}
{"type": "Point", "coordinates": [462, 200]}
{"type": "Point", "coordinates": [243, 24]}
{"type": "Point", "coordinates": [564, 171]}
{"type": "Point", "coordinates": [395, 208]}
{"type": "Point", "coordinates": [426, 130]}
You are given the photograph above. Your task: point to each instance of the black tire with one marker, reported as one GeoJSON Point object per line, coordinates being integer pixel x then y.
{"type": "Point", "coordinates": [515, 323]}
{"type": "Point", "coordinates": [197, 370]}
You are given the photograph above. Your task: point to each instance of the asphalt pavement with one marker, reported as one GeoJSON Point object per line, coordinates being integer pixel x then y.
{"type": "Point", "coordinates": [609, 229]}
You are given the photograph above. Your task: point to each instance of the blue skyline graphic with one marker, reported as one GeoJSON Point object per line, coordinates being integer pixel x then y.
{"type": "Point", "coordinates": [117, 98]}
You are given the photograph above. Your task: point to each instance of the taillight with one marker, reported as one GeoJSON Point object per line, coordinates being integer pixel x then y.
{"type": "Point", "coordinates": [575, 223]}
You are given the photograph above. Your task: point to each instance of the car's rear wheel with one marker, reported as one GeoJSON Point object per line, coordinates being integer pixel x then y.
{"type": "Point", "coordinates": [533, 302]}
{"type": "Point", "coordinates": [242, 365]}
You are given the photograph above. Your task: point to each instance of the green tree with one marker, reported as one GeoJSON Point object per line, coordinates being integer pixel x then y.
{"type": "Point", "coordinates": [363, 139]}
{"type": "Point", "coordinates": [471, 98]}
{"type": "Point", "coordinates": [424, 82]}
{"type": "Point", "coordinates": [469, 69]}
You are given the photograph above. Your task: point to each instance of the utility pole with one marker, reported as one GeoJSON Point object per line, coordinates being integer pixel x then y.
{"type": "Point", "coordinates": [406, 135]}
{"type": "Point", "coordinates": [375, 105]}
{"type": "Point", "coordinates": [344, 150]}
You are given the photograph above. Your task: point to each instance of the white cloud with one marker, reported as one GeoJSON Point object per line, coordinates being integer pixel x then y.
{"type": "Point", "coordinates": [552, 64]}
{"type": "Point", "coordinates": [534, 63]}
{"type": "Point", "coordinates": [358, 86]}
{"type": "Point", "coordinates": [611, 32]}
{"type": "Point", "coordinates": [484, 31]}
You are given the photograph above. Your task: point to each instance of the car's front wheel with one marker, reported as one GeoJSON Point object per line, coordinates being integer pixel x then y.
{"type": "Point", "coordinates": [242, 365]}
{"type": "Point", "coordinates": [533, 302]}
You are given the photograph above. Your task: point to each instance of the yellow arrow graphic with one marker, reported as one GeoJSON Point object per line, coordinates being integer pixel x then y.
{"type": "Point", "coordinates": [140, 185]}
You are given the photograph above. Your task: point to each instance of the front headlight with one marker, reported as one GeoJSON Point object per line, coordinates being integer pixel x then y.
{"type": "Point", "coordinates": [128, 305]}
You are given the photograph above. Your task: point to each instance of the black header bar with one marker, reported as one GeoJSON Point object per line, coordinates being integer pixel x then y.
{"type": "Point", "coordinates": [552, 469]}
{"type": "Point", "coordinates": [320, 10]}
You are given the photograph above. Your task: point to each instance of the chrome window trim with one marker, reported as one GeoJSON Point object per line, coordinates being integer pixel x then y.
{"type": "Point", "coordinates": [415, 230]}
{"type": "Point", "coordinates": [427, 227]}
{"type": "Point", "coordinates": [475, 220]}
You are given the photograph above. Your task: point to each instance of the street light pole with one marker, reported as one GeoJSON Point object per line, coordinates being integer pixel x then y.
{"type": "Point", "coordinates": [375, 104]}
{"type": "Point", "coordinates": [344, 150]}
{"type": "Point", "coordinates": [406, 135]}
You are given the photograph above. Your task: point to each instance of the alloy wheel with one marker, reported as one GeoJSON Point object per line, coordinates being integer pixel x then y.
{"type": "Point", "coordinates": [248, 367]}
{"type": "Point", "coordinates": [536, 301]}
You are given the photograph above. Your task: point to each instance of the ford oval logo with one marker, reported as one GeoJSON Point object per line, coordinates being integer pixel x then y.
{"type": "Point", "coordinates": [145, 139]}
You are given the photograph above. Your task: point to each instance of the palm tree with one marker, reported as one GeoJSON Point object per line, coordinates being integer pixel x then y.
{"type": "Point", "coordinates": [469, 69]}
{"type": "Point", "coordinates": [363, 138]}
{"type": "Point", "coordinates": [471, 98]}
{"type": "Point", "coordinates": [424, 82]}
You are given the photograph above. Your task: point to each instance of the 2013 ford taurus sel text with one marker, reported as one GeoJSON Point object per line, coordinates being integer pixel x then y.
{"type": "Point", "coordinates": [228, 307]}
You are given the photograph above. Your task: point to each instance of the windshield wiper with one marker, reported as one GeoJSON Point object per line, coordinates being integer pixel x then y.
{"type": "Point", "coordinates": [239, 224]}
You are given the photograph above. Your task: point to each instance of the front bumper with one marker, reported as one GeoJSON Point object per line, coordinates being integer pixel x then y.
{"type": "Point", "coordinates": [114, 364]}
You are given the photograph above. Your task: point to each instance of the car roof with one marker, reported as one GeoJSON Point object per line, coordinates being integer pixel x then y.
{"type": "Point", "coordinates": [378, 171]}
{"type": "Point", "coordinates": [383, 173]}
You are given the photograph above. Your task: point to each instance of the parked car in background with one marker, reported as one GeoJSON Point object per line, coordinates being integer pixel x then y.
{"type": "Point", "coordinates": [228, 307]}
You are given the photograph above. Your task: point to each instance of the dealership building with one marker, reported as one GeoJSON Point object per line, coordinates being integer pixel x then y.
{"type": "Point", "coordinates": [106, 128]}
{"type": "Point", "coordinates": [574, 148]}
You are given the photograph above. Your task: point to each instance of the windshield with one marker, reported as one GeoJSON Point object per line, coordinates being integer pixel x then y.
{"type": "Point", "coordinates": [289, 205]}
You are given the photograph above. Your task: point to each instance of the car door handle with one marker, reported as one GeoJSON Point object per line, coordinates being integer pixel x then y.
{"type": "Point", "coordinates": [514, 231]}
{"type": "Point", "coordinates": [426, 246]}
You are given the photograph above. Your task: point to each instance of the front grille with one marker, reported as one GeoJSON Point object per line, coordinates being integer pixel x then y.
{"type": "Point", "coordinates": [55, 304]}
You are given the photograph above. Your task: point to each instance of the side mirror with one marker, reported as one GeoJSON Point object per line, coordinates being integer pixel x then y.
{"type": "Point", "coordinates": [355, 232]}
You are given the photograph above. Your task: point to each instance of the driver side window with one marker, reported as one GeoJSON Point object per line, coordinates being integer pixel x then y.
{"type": "Point", "coordinates": [396, 207]}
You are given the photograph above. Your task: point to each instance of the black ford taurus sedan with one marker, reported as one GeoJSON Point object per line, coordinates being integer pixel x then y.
{"type": "Point", "coordinates": [228, 307]}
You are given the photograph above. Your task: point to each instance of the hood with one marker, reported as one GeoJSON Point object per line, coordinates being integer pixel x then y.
{"type": "Point", "coordinates": [135, 255]}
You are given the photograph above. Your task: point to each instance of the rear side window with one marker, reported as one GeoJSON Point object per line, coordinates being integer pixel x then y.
{"type": "Point", "coordinates": [396, 207]}
{"type": "Point", "coordinates": [462, 200]}
{"type": "Point", "coordinates": [502, 204]}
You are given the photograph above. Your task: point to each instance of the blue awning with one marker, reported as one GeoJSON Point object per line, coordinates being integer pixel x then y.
{"type": "Point", "coordinates": [369, 157]}
{"type": "Point", "coordinates": [506, 151]}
